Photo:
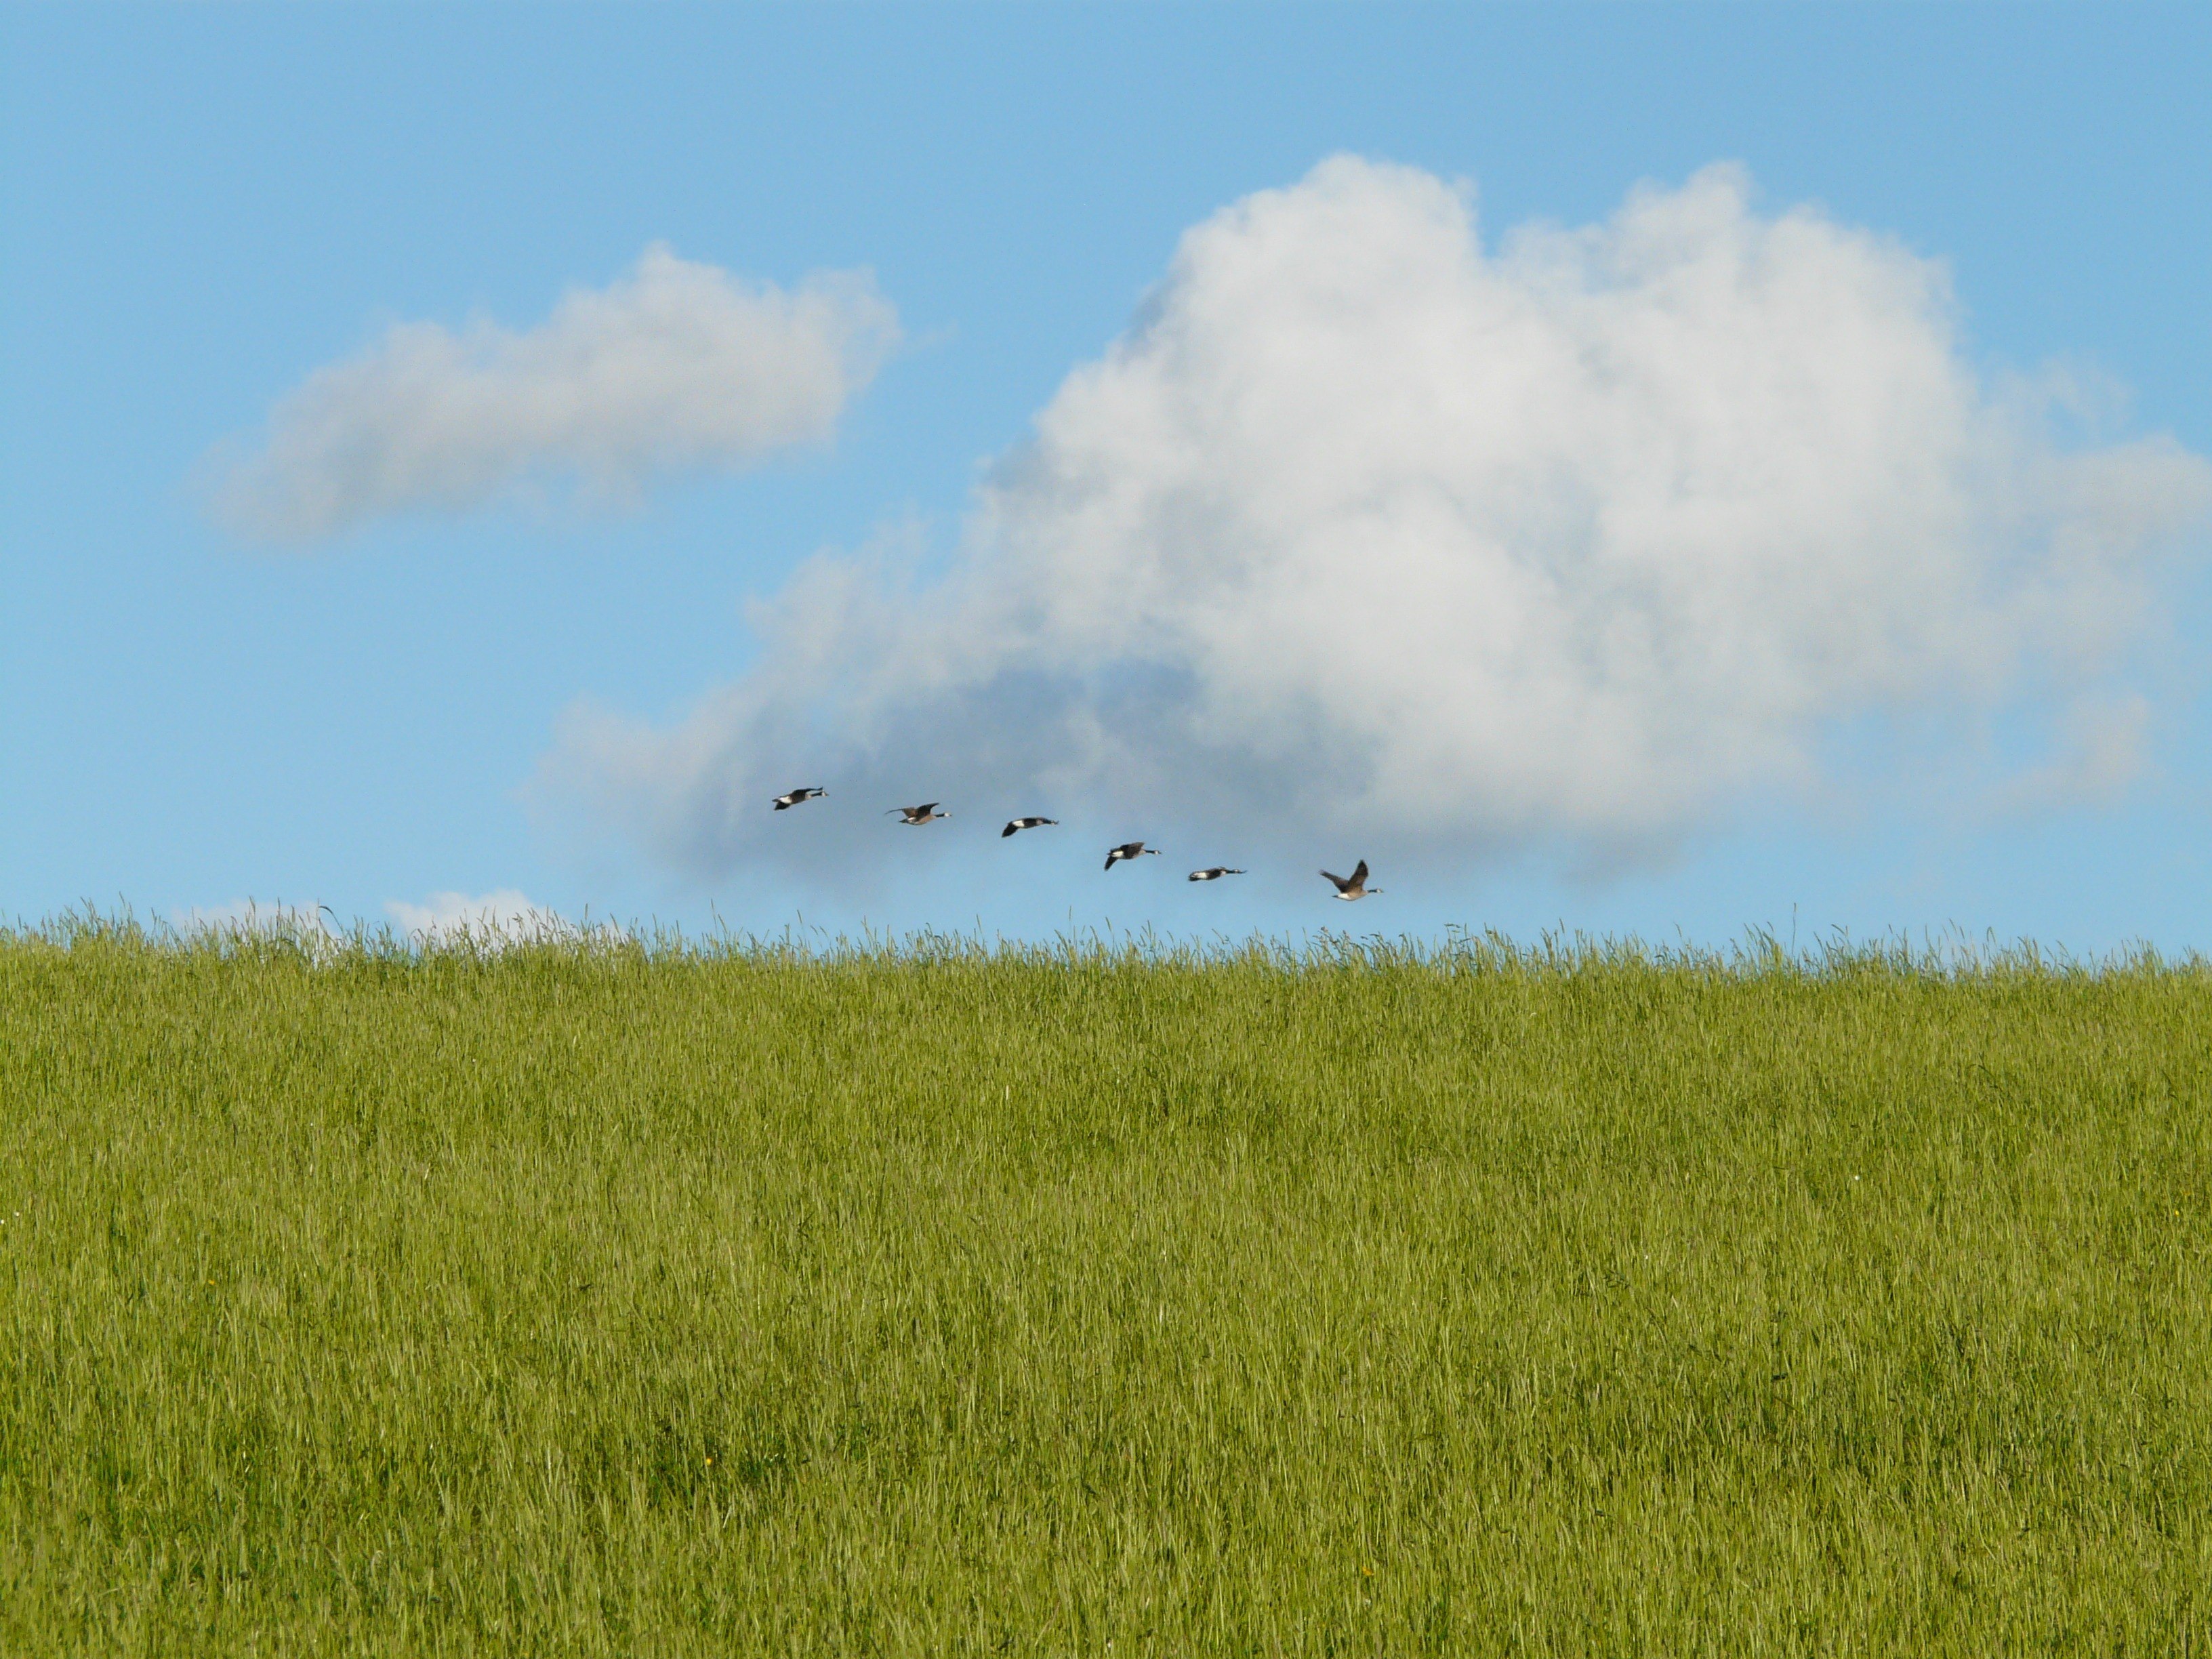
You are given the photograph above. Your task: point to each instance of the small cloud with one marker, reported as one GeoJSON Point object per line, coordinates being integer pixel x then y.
{"type": "Point", "coordinates": [250, 917]}
{"type": "Point", "coordinates": [676, 368]}
{"type": "Point", "coordinates": [501, 918]}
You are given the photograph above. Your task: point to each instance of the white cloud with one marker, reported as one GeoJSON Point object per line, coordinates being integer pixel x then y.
{"type": "Point", "coordinates": [496, 919]}
{"type": "Point", "coordinates": [1576, 541]}
{"type": "Point", "coordinates": [677, 367]}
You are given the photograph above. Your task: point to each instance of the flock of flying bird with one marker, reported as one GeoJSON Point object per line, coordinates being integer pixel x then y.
{"type": "Point", "coordinates": [1353, 886]}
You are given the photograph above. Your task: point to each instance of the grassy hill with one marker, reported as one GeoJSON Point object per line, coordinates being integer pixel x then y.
{"type": "Point", "coordinates": [595, 1298]}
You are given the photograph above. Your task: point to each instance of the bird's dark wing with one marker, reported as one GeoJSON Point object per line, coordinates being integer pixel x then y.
{"type": "Point", "coordinates": [781, 802]}
{"type": "Point", "coordinates": [1341, 884]}
{"type": "Point", "coordinates": [1359, 872]}
{"type": "Point", "coordinates": [1112, 857]}
{"type": "Point", "coordinates": [1009, 828]}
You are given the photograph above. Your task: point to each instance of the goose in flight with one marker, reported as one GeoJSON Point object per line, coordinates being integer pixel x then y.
{"type": "Point", "coordinates": [1014, 824]}
{"type": "Point", "coordinates": [925, 813]}
{"type": "Point", "coordinates": [1214, 874]}
{"type": "Point", "coordinates": [1129, 849]}
{"type": "Point", "coordinates": [795, 796]}
{"type": "Point", "coordinates": [1353, 886]}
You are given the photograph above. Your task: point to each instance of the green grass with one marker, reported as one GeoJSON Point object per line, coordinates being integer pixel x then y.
{"type": "Point", "coordinates": [591, 1297]}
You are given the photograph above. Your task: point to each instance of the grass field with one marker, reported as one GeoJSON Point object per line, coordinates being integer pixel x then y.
{"type": "Point", "coordinates": [595, 1298]}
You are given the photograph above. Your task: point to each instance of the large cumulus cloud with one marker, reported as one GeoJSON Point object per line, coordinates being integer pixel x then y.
{"type": "Point", "coordinates": [1577, 539]}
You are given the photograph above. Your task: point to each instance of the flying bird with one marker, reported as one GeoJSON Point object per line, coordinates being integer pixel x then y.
{"type": "Point", "coordinates": [1129, 849]}
{"type": "Point", "coordinates": [796, 796]}
{"type": "Point", "coordinates": [1014, 824]}
{"type": "Point", "coordinates": [1214, 874]}
{"type": "Point", "coordinates": [1353, 886]}
{"type": "Point", "coordinates": [925, 813]}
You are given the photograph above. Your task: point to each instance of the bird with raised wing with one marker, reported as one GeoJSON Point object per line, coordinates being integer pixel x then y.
{"type": "Point", "coordinates": [793, 797]}
{"type": "Point", "coordinates": [1214, 874]}
{"type": "Point", "coordinates": [925, 813]}
{"type": "Point", "coordinates": [1353, 886]}
{"type": "Point", "coordinates": [1129, 849]}
{"type": "Point", "coordinates": [1014, 824]}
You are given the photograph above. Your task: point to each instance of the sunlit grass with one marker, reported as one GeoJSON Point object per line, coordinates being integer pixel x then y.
{"type": "Point", "coordinates": [601, 1295]}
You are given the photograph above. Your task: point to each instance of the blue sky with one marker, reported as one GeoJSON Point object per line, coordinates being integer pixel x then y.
{"type": "Point", "coordinates": [203, 208]}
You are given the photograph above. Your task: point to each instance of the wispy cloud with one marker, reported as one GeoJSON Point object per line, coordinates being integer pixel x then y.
{"type": "Point", "coordinates": [2099, 747]}
{"type": "Point", "coordinates": [1577, 540]}
{"type": "Point", "coordinates": [497, 918]}
{"type": "Point", "coordinates": [677, 367]}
